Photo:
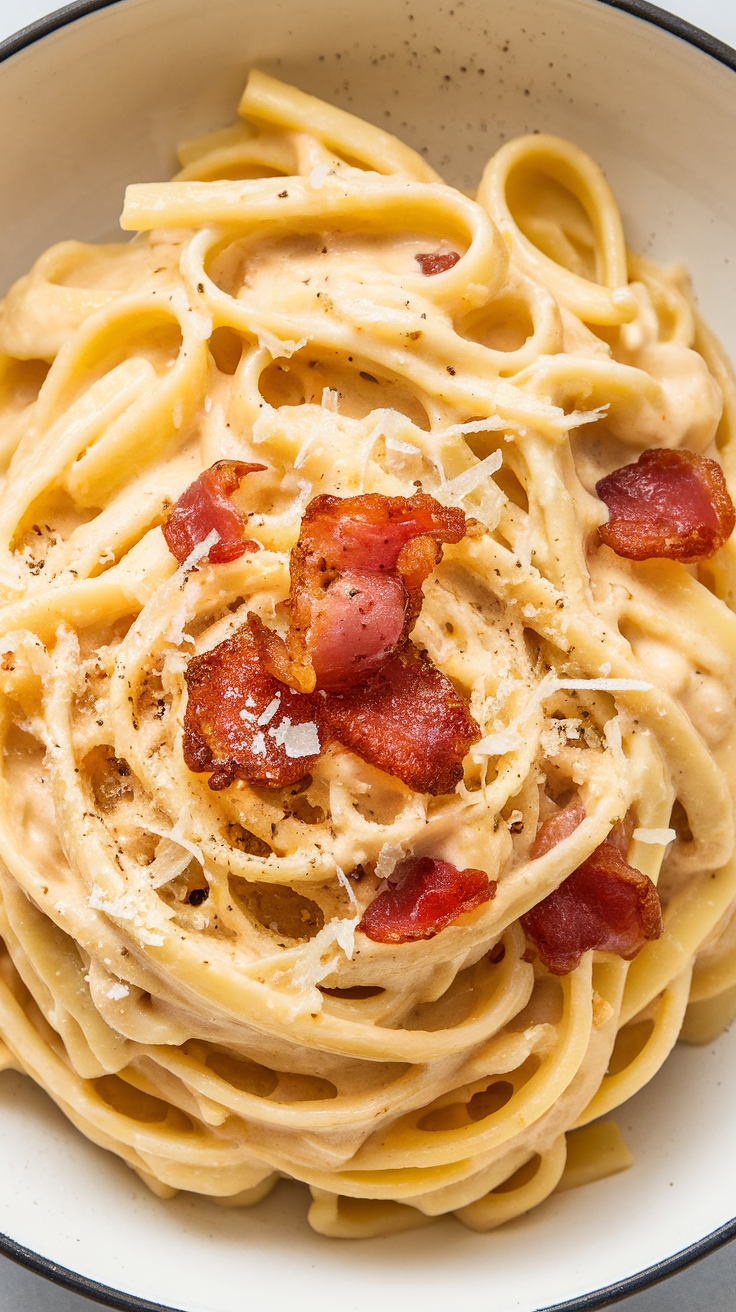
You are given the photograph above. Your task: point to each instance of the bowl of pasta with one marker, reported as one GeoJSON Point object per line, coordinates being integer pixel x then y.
{"type": "Point", "coordinates": [367, 652]}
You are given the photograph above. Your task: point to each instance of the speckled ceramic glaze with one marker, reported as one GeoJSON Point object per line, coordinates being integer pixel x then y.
{"type": "Point", "coordinates": [98, 98]}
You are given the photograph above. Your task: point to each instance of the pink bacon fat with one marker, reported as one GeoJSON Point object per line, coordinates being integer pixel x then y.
{"type": "Point", "coordinates": [356, 588]}
{"type": "Point", "coordinates": [427, 896]}
{"type": "Point", "coordinates": [356, 583]}
{"type": "Point", "coordinates": [557, 828]}
{"type": "Point", "coordinates": [205, 506]}
{"type": "Point", "coordinates": [670, 504]}
{"type": "Point", "coordinates": [604, 904]}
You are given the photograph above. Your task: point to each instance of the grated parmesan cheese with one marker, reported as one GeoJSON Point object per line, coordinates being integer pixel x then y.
{"type": "Point", "coordinates": [269, 712]}
{"type": "Point", "coordinates": [345, 882]}
{"type": "Point", "coordinates": [125, 908]}
{"type": "Point", "coordinates": [388, 858]}
{"type": "Point", "coordinates": [663, 836]}
{"type": "Point", "coordinates": [462, 484]}
{"type": "Point", "coordinates": [302, 740]}
{"type": "Point", "coordinates": [170, 861]}
{"type": "Point", "coordinates": [276, 348]}
{"type": "Point", "coordinates": [612, 735]}
{"type": "Point", "coordinates": [318, 960]}
{"type": "Point", "coordinates": [497, 744]}
{"type": "Point", "coordinates": [197, 552]}
{"type": "Point", "coordinates": [407, 448]}
{"type": "Point", "coordinates": [152, 939]}
{"type": "Point", "coordinates": [491, 424]}
{"type": "Point", "coordinates": [118, 991]}
{"type": "Point", "coordinates": [280, 731]}
{"type": "Point", "coordinates": [319, 175]}
{"type": "Point", "coordinates": [176, 835]}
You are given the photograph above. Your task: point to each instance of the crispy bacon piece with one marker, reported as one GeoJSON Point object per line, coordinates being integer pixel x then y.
{"type": "Point", "coordinates": [205, 506]}
{"type": "Point", "coordinates": [408, 720]}
{"type": "Point", "coordinates": [427, 896]}
{"type": "Point", "coordinates": [241, 723]}
{"type": "Point", "coordinates": [604, 904]}
{"type": "Point", "coordinates": [672, 504]}
{"type": "Point", "coordinates": [356, 583]}
{"type": "Point", "coordinates": [431, 264]}
{"type": "Point", "coordinates": [557, 828]}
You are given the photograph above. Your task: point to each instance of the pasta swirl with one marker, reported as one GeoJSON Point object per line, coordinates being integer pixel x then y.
{"type": "Point", "coordinates": [184, 968]}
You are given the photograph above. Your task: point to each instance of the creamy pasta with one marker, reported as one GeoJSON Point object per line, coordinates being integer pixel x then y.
{"type": "Point", "coordinates": [189, 965]}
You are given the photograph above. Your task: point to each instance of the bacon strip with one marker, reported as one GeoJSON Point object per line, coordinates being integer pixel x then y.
{"type": "Point", "coordinates": [205, 506]}
{"type": "Point", "coordinates": [605, 904]}
{"type": "Point", "coordinates": [623, 832]}
{"type": "Point", "coordinates": [240, 722]}
{"type": "Point", "coordinates": [427, 897]}
{"type": "Point", "coordinates": [408, 720]}
{"type": "Point", "coordinates": [671, 504]}
{"type": "Point", "coordinates": [557, 828]}
{"type": "Point", "coordinates": [356, 589]}
{"type": "Point", "coordinates": [356, 583]}
{"type": "Point", "coordinates": [431, 264]}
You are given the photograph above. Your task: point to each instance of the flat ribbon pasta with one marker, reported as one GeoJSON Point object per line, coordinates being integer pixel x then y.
{"type": "Point", "coordinates": [183, 969]}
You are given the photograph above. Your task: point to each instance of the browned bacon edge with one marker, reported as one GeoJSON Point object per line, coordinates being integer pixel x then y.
{"type": "Point", "coordinates": [230, 689]}
{"type": "Point", "coordinates": [426, 897]}
{"type": "Point", "coordinates": [605, 904]}
{"type": "Point", "coordinates": [408, 720]}
{"type": "Point", "coordinates": [357, 571]}
{"type": "Point", "coordinates": [359, 562]}
{"type": "Point", "coordinates": [671, 504]}
{"type": "Point", "coordinates": [432, 264]}
{"type": "Point", "coordinates": [205, 506]}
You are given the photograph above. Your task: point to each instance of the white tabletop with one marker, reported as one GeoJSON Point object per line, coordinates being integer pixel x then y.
{"type": "Point", "coordinates": [710, 1284]}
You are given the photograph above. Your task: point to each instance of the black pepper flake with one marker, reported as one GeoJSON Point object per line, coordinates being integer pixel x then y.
{"type": "Point", "coordinates": [450, 369]}
{"type": "Point", "coordinates": [198, 896]}
{"type": "Point", "coordinates": [283, 195]}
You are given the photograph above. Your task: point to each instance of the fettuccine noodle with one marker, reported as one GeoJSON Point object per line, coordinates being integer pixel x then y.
{"type": "Point", "coordinates": [270, 309]}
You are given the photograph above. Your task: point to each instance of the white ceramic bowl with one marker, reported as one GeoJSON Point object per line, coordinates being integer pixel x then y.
{"type": "Point", "coordinates": [96, 97]}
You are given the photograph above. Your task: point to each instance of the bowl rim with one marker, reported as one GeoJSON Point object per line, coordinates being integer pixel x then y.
{"type": "Point", "coordinates": [598, 1298]}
